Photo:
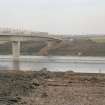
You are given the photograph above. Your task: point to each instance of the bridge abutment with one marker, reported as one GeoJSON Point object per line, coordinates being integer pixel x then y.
{"type": "Point", "coordinates": [50, 44]}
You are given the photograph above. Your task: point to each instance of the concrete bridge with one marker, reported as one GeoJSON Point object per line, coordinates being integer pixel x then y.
{"type": "Point", "coordinates": [17, 37]}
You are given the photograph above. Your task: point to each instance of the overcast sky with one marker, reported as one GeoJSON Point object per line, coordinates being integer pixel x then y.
{"type": "Point", "coordinates": [54, 16]}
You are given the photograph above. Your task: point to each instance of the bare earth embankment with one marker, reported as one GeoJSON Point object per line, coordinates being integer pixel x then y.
{"type": "Point", "coordinates": [47, 88]}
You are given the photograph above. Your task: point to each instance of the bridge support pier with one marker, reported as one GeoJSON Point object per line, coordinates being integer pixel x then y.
{"type": "Point", "coordinates": [16, 54]}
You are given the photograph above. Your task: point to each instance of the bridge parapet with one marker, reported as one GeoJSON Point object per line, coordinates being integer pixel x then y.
{"type": "Point", "coordinates": [24, 33]}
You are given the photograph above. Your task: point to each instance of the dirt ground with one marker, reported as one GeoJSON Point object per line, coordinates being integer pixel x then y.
{"type": "Point", "coordinates": [51, 88]}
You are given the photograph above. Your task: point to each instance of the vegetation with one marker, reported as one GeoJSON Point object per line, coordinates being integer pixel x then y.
{"type": "Point", "coordinates": [77, 47]}
{"type": "Point", "coordinates": [98, 40]}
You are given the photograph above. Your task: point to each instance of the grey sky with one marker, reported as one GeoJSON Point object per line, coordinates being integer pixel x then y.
{"type": "Point", "coordinates": [54, 16]}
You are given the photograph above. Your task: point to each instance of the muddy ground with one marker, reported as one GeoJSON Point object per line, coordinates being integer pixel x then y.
{"type": "Point", "coordinates": [51, 88]}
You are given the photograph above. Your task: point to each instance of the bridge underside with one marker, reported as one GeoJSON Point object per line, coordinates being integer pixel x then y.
{"type": "Point", "coordinates": [24, 38]}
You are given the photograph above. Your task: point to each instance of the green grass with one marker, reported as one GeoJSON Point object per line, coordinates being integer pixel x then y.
{"type": "Point", "coordinates": [98, 40]}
